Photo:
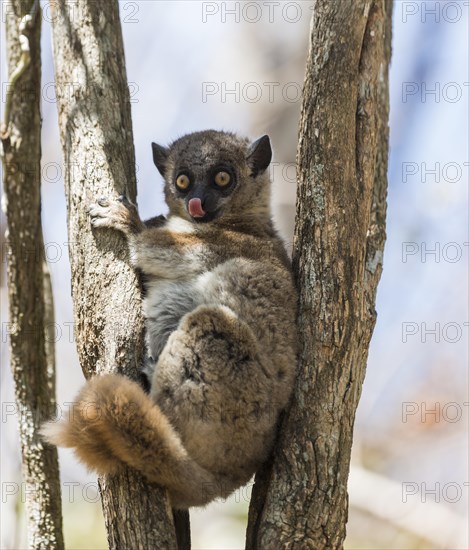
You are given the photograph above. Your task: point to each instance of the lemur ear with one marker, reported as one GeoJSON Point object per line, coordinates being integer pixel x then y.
{"type": "Point", "coordinates": [259, 155]}
{"type": "Point", "coordinates": [160, 156]}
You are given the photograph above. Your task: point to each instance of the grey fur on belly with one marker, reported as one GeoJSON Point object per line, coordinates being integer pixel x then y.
{"type": "Point", "coordinates": [164, 306]}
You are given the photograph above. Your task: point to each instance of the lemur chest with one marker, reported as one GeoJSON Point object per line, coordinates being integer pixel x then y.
{"type": "Point", "coordinates": [165, 303]}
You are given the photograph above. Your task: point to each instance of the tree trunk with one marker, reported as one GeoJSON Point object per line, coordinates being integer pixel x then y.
{"type": "Point", "coordinates": [31, 359]}
{"type": "Point", "coordinates": [300, 499]}
{"type": "Point", "coordinates": [97, 143]}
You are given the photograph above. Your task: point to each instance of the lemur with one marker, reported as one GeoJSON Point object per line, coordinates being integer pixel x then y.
{"type": "Point", "coordinates": [220, 308]}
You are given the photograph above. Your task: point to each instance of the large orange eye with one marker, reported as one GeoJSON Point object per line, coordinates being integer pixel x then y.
{"type": "Point", "coordinates": [222, 179]}
{"type": "Point", "coordinates": [183, 182]}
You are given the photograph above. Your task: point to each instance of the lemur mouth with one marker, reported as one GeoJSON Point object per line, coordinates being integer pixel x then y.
{"type": "Point", "coordinates": [208, 217]}
{"type": "Point", "coordinates": [197, 213]}
{"type": "Point", "coordinates": [195, 208]}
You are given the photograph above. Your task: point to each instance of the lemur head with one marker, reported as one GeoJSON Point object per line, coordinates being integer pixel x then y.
{"type": "Point", "coordinates": [212, 176]}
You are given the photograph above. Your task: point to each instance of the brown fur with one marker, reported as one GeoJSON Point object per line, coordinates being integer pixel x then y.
{"type": "Point", "coordinates": [220, 314]}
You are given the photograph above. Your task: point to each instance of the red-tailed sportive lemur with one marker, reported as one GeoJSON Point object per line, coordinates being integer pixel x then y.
{"type": "Point", "coordinates": [220, 308]}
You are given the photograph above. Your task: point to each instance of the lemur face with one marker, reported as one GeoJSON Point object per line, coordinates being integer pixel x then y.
{"type": "Point", "coordinates": [212, 175]}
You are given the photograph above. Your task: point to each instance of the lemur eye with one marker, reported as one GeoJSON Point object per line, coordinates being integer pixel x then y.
{"type": "Point", "coordinates": [222, 179]}
{"type": "Point", "coordinates": [183, 182]}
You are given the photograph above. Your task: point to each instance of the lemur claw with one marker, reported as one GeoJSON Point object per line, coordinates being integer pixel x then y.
{"type": "Point", "coordinates": [103, 201]}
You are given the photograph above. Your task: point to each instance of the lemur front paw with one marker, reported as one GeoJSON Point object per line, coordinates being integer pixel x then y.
{"type": "Point", "coordinates": [116, 213]}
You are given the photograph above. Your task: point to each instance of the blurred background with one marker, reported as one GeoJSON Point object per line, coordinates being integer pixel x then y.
{"type": "Point", "coordinates": [239, 66]}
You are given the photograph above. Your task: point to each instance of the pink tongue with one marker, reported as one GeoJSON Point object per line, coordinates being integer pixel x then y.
{"type": "Point", "coordinates": [195, 208]}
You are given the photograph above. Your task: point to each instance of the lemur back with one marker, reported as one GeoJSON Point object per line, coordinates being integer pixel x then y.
{"type": "Point", "coordinates": [220, 308]}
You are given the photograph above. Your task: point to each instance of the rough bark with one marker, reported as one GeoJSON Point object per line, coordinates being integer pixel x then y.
{"type": "Point", "coordinates": [300, 500]}
{"type": "Point", "coordinates": [97, 143]}
{"type": "Point", "coordinates": [31, 360]}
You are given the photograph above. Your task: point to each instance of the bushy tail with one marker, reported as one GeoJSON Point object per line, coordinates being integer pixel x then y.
{"type": "Point", "coordinates": [113, 422]}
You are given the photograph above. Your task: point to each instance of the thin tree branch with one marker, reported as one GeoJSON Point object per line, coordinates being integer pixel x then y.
{"type": "Point", "coordinates": [34, 381]}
